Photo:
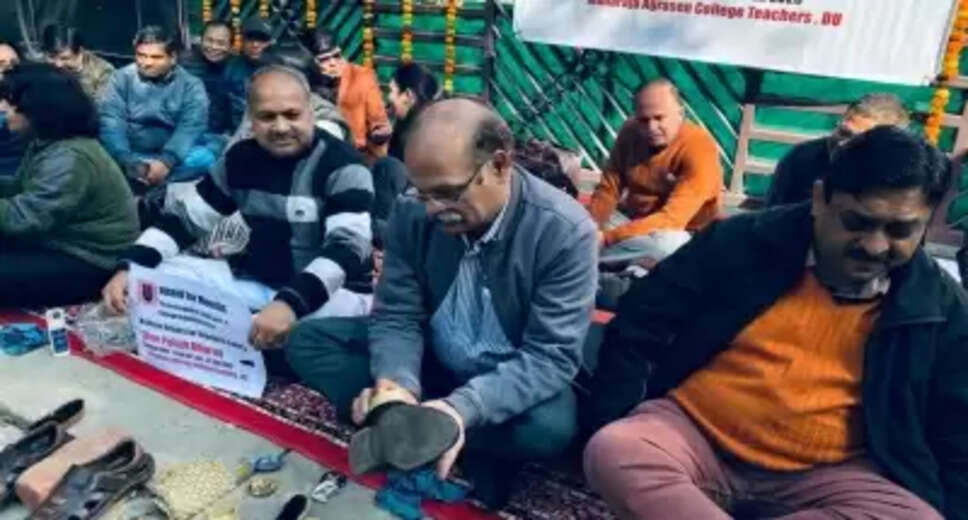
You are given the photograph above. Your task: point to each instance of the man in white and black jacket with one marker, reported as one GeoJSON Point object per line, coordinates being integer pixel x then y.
{"type": "Point", "coordinates": [305, 198]}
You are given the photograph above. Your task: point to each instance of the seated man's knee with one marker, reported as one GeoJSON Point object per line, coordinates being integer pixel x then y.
{"type": "Point", "coordinates": [311, 339]}
{"type": "Point", "coordinates": [550, 427]}
{"type": "Point", "coordinates": [604, 453]}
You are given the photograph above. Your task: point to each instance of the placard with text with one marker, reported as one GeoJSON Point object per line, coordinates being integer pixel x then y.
{"type": "Point", "coordinates": [893, 41]}
{"type": "Point", "coordinates": [195, 332]}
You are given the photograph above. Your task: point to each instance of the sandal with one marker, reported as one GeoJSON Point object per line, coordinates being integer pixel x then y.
{"type": "Point", "coordinates": [33, 447]}
{"type": "Point", "coordinates": [403, 436]}
{"type": "Point", "coordinates": [66, 415]}
{"type": "Point", "coordinates": [87, 490]}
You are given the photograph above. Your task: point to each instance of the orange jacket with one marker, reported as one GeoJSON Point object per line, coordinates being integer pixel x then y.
{"type": "Point", "coordinates": [361, 102]}
{"type": "Point", "coordinates": [679, 187]}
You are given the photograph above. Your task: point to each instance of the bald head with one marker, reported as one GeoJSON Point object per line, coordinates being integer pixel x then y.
{"type": "Point", "coordinates": [659, 112]}
{"type": "Point", "coordinates": [459, 158]}
{"type": "Point", "coordinates": [268, 79]}
{"type": "Point", "coordinates": [280, 109]}
{"type": "Point", "coordinates": [472, 128]}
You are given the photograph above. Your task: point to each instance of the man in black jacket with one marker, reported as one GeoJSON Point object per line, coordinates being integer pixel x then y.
{"type": "Point", "coordinates": [793, 179]}
{"type": "Point", "coordinates": [810, 360]}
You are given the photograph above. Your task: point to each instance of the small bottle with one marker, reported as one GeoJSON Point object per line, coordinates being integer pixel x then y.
{"type": "Point", "coordinates": [57, 331]}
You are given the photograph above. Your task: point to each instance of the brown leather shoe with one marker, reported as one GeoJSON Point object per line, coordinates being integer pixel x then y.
{"type": "Point", "coordinates": [86, 491]}
{"type": "Point", "coordinates": [33, 447]}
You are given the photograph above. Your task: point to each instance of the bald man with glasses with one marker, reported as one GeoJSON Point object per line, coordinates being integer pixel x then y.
{"type": "Point", "coordinates": [487, 290]}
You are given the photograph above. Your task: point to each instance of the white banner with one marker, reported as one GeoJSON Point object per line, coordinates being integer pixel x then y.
{"type": "Point", "coordinates": [893, 41]}
{"type": "Point", "coordinates": [195, 332]}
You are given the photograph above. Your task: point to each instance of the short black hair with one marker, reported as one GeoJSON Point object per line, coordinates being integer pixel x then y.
{"type": "Point", "coordinates": [887, 157]}
{"type": "Point", "coordinates": [150, 34]}
{"type": "Point", "coordinates": [212, 24]}
{"type": "Point", "coordinates": [320, 40]}
{"type": "Point", "coordinates": [52, 100]}
{"type": "Point", "coordinates": [417, 79]}
{"type": "Point", "coordinates": [56, 38]}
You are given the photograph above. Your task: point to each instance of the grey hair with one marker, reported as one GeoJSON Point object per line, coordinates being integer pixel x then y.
{"type": "Point", "coordinates": [884, 108]}
{"type": "Point", "coordinates": [660, 83]}
{"type": "Point", "coordinates": [278, 69]}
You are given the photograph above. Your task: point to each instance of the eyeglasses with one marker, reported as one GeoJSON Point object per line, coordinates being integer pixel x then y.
{"type": "Point", "coordinates": [443, 194]}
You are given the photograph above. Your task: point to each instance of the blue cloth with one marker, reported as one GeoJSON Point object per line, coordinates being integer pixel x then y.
{"type": "Point", "coordinates": [20, 338]}
{"type": "Point", "coordinates": [405, 491]}
{"type": "Point", "coordinates": [161, 118]}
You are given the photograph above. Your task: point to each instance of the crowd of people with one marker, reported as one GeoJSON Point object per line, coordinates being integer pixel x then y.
{"type": "Point", "coordinates": [809, 360]}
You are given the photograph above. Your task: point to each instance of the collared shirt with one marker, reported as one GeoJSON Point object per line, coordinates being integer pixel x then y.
{"type": "Point", "coordinates": [468, 338]}
{"type": "Point", "coordinates": [874, 288]}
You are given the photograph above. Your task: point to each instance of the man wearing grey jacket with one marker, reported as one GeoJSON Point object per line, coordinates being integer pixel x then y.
{"type": "Point", "coordinates": [486, 295]}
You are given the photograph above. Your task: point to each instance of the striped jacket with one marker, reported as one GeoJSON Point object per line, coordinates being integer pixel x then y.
{"type": "Point", "coordinates": [309, 218]}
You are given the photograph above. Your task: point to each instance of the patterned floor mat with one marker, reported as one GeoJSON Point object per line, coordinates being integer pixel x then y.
{"type": "Point", "coordinates": [541, 492]}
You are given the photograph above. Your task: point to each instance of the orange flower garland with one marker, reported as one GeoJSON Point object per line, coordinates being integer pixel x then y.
{"type": "Point", "coordinates": [949, 71]}
{"type": "Point", "coordinates": [236, 24]}
{"type": "Point", "coordinates": [206, 11]}
{"type": "Point", "coordinates": [311, 14]}
{"type": "Point", "coordinates": [368, 46]}
{"type": "Point", "coordinates": [406, 42]}
{"type": "Point", "coordinates": [450, 47]}
{"type": "Point", "coordinates": [264, 8]}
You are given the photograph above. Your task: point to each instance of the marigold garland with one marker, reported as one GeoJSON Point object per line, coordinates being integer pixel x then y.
{"type": "Point", "coordinates": [406, 41]}
{"type": "Point", "coordinates": [236, 24]}
{"type": "Point", "coordinates": [263, 8]}
{"type": "Point", "coordinates": [450, 48]}
{"type": "Point", "coordinates": [311, 14]}
{"type": "Point", "coordinates": [206, 11]}
{"type": "Point", "coordinates": [368, 46]}
{"type": "Point", "coordinates": [949, 71]}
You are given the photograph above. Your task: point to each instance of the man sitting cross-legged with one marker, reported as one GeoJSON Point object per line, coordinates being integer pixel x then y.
{"type": "Point", "coordinates": [154, 115]}
{"type": "Point", "coordinates": [486, 295]}
{"type": "Point", "coordinates": [817, 368]}
{"type": "Point", "coordinates": [304, 194]}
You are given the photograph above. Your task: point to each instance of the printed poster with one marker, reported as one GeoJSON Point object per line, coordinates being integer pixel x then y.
{"type": "Point", "coordinates": [892, 41]}
{"type": "Point", "coordinates": [195, 332]}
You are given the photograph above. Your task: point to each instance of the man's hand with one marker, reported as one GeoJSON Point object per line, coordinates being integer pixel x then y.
{"type": "Point", "coordinates": [115, 293]}
{"type": "Point", "coordinates": [601, 239]}
{"type": "Point", "coordinates": [446, 461]}
{"type": "Point", "coordinates": [271, 326]}
{"type": "Point", "coordinates": [384, 391]}
{"type": "Point", "coordinates": [157, 172]}
{"type": "Point", "coordinates": [380, 134]}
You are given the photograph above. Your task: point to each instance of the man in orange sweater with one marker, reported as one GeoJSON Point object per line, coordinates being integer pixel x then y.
{"type": "Point", "coordinates": [663, 180]}
{"type": "Point", "coordinates": [357, 93]}
{"type": "Point", "coordinates": [804, 362]}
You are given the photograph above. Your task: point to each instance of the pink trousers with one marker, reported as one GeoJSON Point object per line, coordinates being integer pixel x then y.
{"type": "Point", "coordinates": [656, 464]}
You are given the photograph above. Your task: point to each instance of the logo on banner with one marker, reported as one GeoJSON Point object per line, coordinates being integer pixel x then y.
{"type": "Point", "coordinates": [148, 293]}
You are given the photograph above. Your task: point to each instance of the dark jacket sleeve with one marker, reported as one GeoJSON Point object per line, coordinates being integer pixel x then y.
{"type": "Point", "coordinates": [55, 185]}
{"type": "Point", "coordinates": [948, 425]}
{"type": "Point", "coordinates": [782, 181]}
{"type": "Point", "coordinates": [649, 318]}
{"type": "Point", "coordinates": [197, 210]}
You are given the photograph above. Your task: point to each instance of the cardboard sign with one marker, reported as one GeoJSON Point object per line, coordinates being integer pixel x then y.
{"type": "Point", "coordinates": [195, 332]}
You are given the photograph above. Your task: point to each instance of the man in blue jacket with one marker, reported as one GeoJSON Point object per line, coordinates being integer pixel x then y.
{"type": "Point", "coordinates": [481, 312]}
{"type": "Point", "coordinates": [154, 114]}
